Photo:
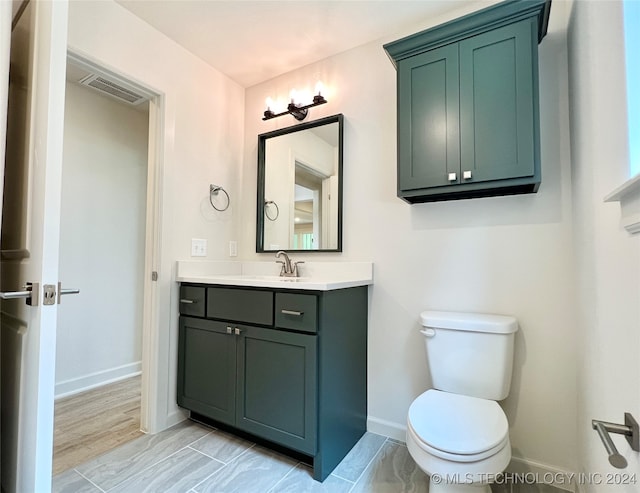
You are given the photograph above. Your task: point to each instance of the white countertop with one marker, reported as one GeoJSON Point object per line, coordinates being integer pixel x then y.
{"type": "Point", "coordinates": [316, 276]}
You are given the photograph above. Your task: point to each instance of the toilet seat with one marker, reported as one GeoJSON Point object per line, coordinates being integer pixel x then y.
{"type": "Point", "coordinates": [457, 427]}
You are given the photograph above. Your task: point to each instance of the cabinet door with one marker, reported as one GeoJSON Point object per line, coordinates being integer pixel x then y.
{"type": "Point", "coordinates": [207, 369]}
{"type": "Point", "coordinates": [428, 135]}
{"type": "Point", "coordinates": [498, 103]}
{"type": "Point", "coordinates": [277, 387]}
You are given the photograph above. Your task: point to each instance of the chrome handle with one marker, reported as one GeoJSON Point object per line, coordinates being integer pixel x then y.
{"type": "Point", "coordinates": [66, 291]}
{"type": "Point", "coordinates": [30, 294]}
{"type": "Point", "coordinates": [452, 176]}
{"type": "Point", "coordinates": [292, 312]}
{"type": "Point", "coordinates": [428, 332]}
{"type": "Point", "coordinates": [237, 331]}
{"type": "Point", "coordinates": [229, 330]}
{"type": "Point", "coordinates": [630, 430]}
{"type": "Point", "coordinates": [14, 295]}
{"type": "Point", "coordinates": [188, 302]}
{"type": "Point", "coordinates": [69, 291]}
{"type": "Point", "coordinates": [466, 175]}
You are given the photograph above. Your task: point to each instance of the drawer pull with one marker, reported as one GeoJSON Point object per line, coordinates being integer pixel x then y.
{"type": "Point", "coordinates": [237, 331]}
{"type": "Point", "coordinates": [188, 302]}
{"type": "Point", "coordinates": [229, 330]}
{"type": "Point", "coordinates": [292, 312]}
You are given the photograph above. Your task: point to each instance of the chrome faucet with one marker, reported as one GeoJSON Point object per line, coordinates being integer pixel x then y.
{"type": "Point", "coordinates": [289, 269]}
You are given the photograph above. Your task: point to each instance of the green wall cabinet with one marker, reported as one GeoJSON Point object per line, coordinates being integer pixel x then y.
{"type": "Point", "coordinates": [285, 366]}
{"type": "Point", "coordinates": [468, 123]}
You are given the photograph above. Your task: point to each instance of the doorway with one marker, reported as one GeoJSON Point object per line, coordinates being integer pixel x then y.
{"type": "Point", "coordinates": [102, 252]}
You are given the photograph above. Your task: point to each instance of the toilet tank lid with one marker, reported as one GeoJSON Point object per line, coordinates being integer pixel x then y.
{"type": "Point", "coordinates": [474, 322]}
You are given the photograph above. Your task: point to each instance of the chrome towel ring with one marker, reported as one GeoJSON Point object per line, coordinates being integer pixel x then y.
{"type": "Point", "coordinates": [213, 190]}
{"type": "Point", "coordinates": [266, 210]}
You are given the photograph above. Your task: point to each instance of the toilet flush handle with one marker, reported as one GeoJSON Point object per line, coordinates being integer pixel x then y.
{"type": "Point", "coordinates": [428, 332]}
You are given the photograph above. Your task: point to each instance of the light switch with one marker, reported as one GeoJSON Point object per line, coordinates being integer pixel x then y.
{"type": "Point", "coordinates": [198, 247]}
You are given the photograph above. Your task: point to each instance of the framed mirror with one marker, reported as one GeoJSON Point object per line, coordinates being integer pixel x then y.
{"type": "Point", "coordinates": [300, 187]}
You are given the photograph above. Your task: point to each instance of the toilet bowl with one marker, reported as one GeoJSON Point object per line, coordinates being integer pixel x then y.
{"type": "Point", "coordinates": [456, 432]}
{"type": "Point", "coordinates": [461, 442]}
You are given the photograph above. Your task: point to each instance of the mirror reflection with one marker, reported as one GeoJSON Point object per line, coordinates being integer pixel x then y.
{"type": "Point", "coordinates": [299, 187]}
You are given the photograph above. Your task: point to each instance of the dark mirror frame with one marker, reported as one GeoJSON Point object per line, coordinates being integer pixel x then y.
{"type": "Point", "coordinates": [262, 138]}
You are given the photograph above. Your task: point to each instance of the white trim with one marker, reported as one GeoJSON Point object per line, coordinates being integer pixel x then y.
{"type": "Point", "coordinates": [97, 379]}
{"type": "Point", "coordinates": [628, 194]}
{"type": "Point", "coordinates": [176, 417]}
{"type": "Point", "coordinates": [153, 409]}
{"type": "Point", "coordinates": [151, 419]}
{"type": "Point", "coordinates": [543, 473]}
{"type": "Point", "coordinates": [387, 428]}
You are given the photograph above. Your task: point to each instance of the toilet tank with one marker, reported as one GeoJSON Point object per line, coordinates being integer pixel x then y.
{"type": "Point", "coordinates": [470, 353]}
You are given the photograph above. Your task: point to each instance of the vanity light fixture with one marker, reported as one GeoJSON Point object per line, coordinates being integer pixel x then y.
{"type": "Point", "coordinates": [297, 110]}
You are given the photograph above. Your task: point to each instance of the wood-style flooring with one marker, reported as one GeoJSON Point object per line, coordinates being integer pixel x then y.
{"type": "Point", "coordinates": [92, 423]}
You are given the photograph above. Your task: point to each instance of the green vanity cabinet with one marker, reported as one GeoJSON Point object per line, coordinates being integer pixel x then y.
{"type": "Point", "coordinates": [468, 123]}
{"type": "Point", "coordinates": [277, 378]}
{"type": "Point", "coordinates": [207, 369]}
{"type": "Point", "coordinates": [285, 366]}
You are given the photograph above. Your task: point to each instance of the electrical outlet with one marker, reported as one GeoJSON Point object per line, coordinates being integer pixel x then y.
{"type": "Point", "coordinates": [233, 248]}
{"type": "Point", "coordinates": [198, 247]}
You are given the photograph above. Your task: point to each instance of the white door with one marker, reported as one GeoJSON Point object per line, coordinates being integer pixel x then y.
{"type": "Point", "coordinates": [30, 241]}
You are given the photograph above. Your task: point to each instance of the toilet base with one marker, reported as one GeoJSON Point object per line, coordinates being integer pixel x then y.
{"type": "Point", "coordinates": [448, 487]}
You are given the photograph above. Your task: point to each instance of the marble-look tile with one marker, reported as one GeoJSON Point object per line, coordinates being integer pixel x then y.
{"type": "Point", "coordinates": [72, 482]}
{"type": "Point", "coordinates": [359, 457]}
{"type": "Point", "coordinates": [501, 487]}
{"type": "Point", "coordinates": [255, 471]}
{"type": "Point", "coordinates": [535, 488]}
{"type": "Point", "coordinates": [300, 480]}
{"type": "Point", "coordinates": [392, 471]}
{"type": "Point", "coordinates": [118, 465]}
{"type": "Point", "coordinates": [221, 446]}
{"type": "Point", "coordinates": [178, 473]}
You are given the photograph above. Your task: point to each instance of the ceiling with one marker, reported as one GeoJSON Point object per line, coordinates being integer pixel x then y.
{"type": "Point", "coordinates": [255, 40]}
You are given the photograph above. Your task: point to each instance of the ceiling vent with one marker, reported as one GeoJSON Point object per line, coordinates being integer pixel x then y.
{"type": "Point", "coordinates": [116, 89]}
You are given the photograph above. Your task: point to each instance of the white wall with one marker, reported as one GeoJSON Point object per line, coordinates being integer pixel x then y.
{"type": "Point", "coordinates": [509, 255]}
{"type": "Point", "coordinates": [201, 144]}
{"type": "Point", "coordinates": [102, 233]}
{"type": "Point", "coordinates": [607, 258]}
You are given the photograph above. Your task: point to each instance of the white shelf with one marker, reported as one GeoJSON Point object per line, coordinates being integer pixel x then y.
{"type": "Point", "coordinates": [628, 194]}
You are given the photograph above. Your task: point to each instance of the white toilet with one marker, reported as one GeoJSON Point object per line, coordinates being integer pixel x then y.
{"type": "Point", "coordinates": [457, 433]}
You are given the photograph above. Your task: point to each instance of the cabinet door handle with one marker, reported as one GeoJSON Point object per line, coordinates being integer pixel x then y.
{"type": "Point", "coordinates": [229, 330]}
{"type": "Point", "coordinates": [188, 302]}
{"type": "Point", "coordinates": [237, 331]}
{"type": "Point", "coordinates": [452, 176]}
{"type": "Point", "coordinates": [292, 312]}
{"type": "Point", "coordinates": [466, 175]}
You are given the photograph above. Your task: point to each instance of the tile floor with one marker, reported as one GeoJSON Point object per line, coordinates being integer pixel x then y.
{"type": "Point", "coordinates": [192, 458]}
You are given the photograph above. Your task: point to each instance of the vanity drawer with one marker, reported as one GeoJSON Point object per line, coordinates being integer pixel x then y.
{"type": "Point", "coordinates": [241, 305]}
{"type": "Point", "coordinates": [192, 300]}
{"type": "Point", "coordinates": [296, 311]}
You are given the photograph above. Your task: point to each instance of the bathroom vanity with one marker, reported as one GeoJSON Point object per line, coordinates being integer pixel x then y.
{"type": "Point", "coordinates": [283, 360]}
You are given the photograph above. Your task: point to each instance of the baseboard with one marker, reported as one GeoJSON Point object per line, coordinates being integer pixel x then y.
{"type": "Point", "coordinates": [387, 428]}
{"type": "Point", "coordinates": [98, 379]}
{"type": "Point", "coordinates": [176, 417]}
{"type": "Point", "coordinates": [521, 470]}
{"type": "Point", "coordinates": [530, 471]}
